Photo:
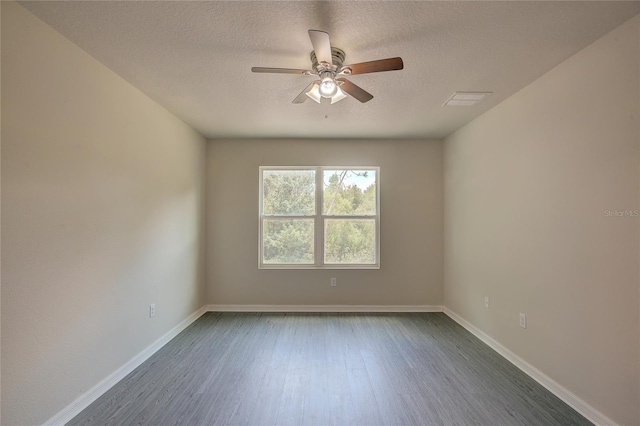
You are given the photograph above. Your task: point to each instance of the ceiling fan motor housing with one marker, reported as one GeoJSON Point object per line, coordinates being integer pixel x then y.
{"type": "Point", "coordinates": [337, 57]}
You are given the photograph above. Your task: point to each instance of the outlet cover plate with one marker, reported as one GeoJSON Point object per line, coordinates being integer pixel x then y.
{"type": "Point", "coordinates": [523, 320]}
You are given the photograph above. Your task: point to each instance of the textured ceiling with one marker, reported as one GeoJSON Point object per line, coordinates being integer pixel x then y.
{"type": "Point", "coordinates": [194, 58]}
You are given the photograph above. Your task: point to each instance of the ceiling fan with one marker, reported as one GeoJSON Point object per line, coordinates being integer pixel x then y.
{"type": "Point", "coordinates": [327, 65]}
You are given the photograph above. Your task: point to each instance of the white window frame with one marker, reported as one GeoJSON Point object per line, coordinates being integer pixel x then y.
{"type": "Point", "coordinates": [318, 220]}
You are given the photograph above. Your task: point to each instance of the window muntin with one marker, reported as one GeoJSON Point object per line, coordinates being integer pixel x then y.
{"type": "Point", "coordinates": [319, 217]}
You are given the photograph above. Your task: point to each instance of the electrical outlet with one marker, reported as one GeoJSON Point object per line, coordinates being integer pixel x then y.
{"type": "Point", "coordinates": [486, 302]}
{"type": "Point", "coordinates": [152, 310]}
{"type": "Point", "coordinates": [333, 282]}
{"type": "Point", "coordinates": [523, 320]}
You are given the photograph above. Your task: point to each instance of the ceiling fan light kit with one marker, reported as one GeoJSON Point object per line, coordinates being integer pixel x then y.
{"type": "Point", "coordinates": [327, 65]}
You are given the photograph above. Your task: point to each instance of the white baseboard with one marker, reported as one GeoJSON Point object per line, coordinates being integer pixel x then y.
{"type": "Point", "coordinates": [84, 400]}
{"type": "Point", "coordinates": [323, 308]}
{"type": "Point", "coordinates": [565, 395]}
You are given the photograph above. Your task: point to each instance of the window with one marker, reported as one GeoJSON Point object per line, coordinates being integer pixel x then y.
{"type": "Point", "coordinates": [319, 217]}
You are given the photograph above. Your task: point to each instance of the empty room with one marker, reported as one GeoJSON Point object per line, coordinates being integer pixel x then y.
{"type": "Point", "coordinates": [320, 213]}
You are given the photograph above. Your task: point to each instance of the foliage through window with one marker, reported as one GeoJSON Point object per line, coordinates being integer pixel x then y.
{"type": "Point", "coordinates": [320, 217]}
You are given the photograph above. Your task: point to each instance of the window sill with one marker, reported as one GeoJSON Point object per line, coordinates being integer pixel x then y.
{"type": "Point", "coordinates": [317, 267]}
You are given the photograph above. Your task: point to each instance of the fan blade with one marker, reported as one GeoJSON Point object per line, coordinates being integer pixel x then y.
{"type": "Point", "coordinates": [321, 46]}
{"type": "Point", "coordinates": [389, 64]}
{"type": "Point", "coordinates": [355, 91]}
{"type": "Point", "coordinates": [281, 71]}
{"type": "Point", "coordinates": [303, 95]}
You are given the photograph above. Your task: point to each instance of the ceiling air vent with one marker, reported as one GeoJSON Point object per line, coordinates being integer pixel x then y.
{"type": "Point", "coordinates": [466, 98]}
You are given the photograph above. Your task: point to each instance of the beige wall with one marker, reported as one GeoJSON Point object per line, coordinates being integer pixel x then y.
{"type": "Point", "coordinates": [526, 189]}
{"type": "Point", "coordinates": [101, 211]}
{"type": "Point", "coordinates": [411, 224]}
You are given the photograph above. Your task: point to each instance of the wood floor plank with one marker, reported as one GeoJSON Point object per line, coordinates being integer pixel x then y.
{"type": "Point", "coordinates": [327, 369]}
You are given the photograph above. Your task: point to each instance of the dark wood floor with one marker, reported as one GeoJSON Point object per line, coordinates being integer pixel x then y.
{"type": "Point", "coordinates": [327, 369]}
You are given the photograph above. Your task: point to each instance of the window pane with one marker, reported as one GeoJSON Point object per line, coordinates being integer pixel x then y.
{"type": "Point", "coordinates": [349, 241]}
{"type": "Point", "coordinates": [287, 241]}
{"type": "Point", "coordinates": [349, 192]}
{"type": "Point", "coordinates": [288, 192]}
